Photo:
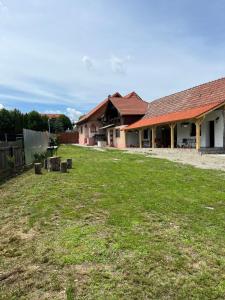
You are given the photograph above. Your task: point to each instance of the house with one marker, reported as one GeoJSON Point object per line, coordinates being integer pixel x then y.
{"type": "Point", "coordinates": [193, 118]}
{"type": "Point", "coordinates": [108, 119]}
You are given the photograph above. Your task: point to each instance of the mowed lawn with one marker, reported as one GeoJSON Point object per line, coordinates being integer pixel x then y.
{"type": "Point", "coordinates": [117, 226]}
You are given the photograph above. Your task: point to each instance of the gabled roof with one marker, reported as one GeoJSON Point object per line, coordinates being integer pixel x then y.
{"type": "Point", "coordinates": [130, 104]}
{"type": "Point", "coordinates": [184, 105]}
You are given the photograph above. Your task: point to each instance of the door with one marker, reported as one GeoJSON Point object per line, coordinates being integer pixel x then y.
{"type": "Point", "coordinates": [211, 134]}
{"type": "Point", "coordinates": [111, 142]}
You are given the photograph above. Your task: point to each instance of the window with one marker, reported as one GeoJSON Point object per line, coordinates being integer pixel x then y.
{"type": "Point", "coordinates": [81, 129]}
{"type": "Point", "coordinates": [117, 133]}
{"type": "Point", "coordinates": [145, 134]}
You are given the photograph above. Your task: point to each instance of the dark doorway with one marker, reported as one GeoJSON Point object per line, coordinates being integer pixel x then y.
{"type": "Point", "coordinates": [165, 142]}
{"type": "Point", "coordinates": [211, 134]}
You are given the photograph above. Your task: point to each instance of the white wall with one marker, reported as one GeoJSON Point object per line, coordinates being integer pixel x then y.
{"type": "Point", "coordinates": [218, 127]}
{"type": "Point", "coordinates": [132, 138]}
{"type": "Point", "coordinates": [184, 132]}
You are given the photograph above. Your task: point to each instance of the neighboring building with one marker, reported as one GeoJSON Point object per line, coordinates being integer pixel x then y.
{"type": "Point", "coordinates": [107, 120]}
{"type": "Point", "coordinates": [52, 116]}
{"type": "Point", "coordinates": [193, 118]}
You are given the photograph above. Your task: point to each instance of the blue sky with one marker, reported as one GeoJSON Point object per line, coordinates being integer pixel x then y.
{"type": "Point", "coordinates": [66, 56]}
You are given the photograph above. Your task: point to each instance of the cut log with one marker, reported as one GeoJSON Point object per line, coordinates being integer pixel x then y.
{"type": "Point", "coordinates": [54, 163]}
{"type": "Point", "coordinates": [69, 163]}
{"type": "Point", "coordinates": [63, 166]}
{"type": "Point", "coordinates": [37, 168]}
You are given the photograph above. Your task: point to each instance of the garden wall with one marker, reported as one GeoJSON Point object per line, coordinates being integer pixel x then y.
{"type": "Point", "coordinates": [69, 137]}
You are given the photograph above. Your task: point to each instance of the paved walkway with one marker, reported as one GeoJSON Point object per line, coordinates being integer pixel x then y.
{"type": "Point", "coordinates": [185, 156]}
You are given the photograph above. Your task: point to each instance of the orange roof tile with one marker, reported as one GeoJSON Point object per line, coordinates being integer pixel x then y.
{"type": "Point", "coordinates": [174, 116]}
{"type": "Point", "coordinates": [197, 96]}
{"type": "Point", "coordinates": [130, 104]}
{"type": "Point", "coordinates": [52, 116]}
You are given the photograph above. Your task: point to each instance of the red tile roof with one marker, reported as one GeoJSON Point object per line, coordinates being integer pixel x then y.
{"type": "Point", "coordinates": [174, 116]}
{"type": "Point", "coordinates": [130, 104]}
{"type": "Point", "coordinates": [184, 105]}
{"type": "Point", "coordinates": [52, 116]}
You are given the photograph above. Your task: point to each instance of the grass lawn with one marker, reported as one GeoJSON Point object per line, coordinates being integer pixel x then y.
{"type": "Point", "coordinates": [117, 226]}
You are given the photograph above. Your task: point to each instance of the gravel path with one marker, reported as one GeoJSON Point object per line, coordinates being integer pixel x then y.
{"type": "Point", "coordinates": [185, 156]}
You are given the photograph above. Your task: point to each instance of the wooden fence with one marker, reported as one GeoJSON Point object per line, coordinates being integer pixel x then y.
{"type": "Point", "coordinates": [69, 137]}
{"type": "Point", "coordinates": [11, 157]}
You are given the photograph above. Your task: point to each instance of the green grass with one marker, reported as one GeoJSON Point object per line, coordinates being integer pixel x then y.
{"type": "Point", "coordinates": [117, 226]}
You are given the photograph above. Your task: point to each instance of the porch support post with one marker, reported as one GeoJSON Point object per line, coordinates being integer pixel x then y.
{"type": "Point", "coordinates": [140, 138]}
{"type": "Point", "coordinates": [153, 136]}
{"type": "Point", "coordinates": [198, 123]}
{"type": "Point", "coordinates": [172, 135]}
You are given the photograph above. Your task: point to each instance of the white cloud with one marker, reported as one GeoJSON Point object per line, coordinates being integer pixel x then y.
{"type": "Point", "coordinates": [118, 65]}
{"type": "Point", "coordinates": [88, 62]}
{"type": "Point", "coordinates": [3, 8]}
{"type": "Point", "coordinates": [73, 114]}
{"type": "Point", "coordinates": [1, 106]}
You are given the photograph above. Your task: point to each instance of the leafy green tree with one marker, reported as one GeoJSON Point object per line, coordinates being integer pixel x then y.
{"type": "Point", "coordinates": [65, 122]}
{"type": "Point", "coordinates": [35, 121]}
{"type": "Point", "coordinates": [44, 123]}
{"type": "Point", "coordinates": [6, 124]}
{"type": "Point", "coordinates": [58, 126]}
{"type": "Point", "coordinates": [17, 121]}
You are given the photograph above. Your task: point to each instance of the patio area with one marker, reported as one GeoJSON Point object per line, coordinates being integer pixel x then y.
{"type": "Point", "coordinates": [185, 156]}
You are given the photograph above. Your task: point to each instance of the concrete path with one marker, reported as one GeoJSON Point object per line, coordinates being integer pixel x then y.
{"type": "Point", "coordinates": [185, 156]}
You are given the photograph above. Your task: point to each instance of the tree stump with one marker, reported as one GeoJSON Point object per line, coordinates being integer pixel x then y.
{"type": "Point", "coordinates": [69, 163]}
{"type": "Point", "coordinates": [63, 166]}
{"type": "Point", "coordinates": [37, 168]}
{"type": "Point", "coordinates": [54, 163]}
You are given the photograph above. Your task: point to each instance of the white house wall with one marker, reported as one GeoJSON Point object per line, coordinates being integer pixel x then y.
{"type": "Point", "coordinates": [132, 138]}
{"type": "Point", "coordinates": [185, 132]}
{"type": "Point", "coordinates": [218, 127]}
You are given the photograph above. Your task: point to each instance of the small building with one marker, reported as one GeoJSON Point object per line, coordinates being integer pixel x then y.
{"type": "Point", "coordinates": [193, 118]}
{"type": "Point", "coordinates": [106, 122]}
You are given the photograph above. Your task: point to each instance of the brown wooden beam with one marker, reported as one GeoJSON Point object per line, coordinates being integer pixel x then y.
{"type": "Point", "coordinates": [198, 123]}
{"type": "Point", "coordinates": [172, 126]}
{"type": "Point", "coordinates": [153, 136]}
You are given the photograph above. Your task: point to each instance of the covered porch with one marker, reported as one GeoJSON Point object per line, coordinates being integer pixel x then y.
{"type": "Point", "coordinates": [205, 133]}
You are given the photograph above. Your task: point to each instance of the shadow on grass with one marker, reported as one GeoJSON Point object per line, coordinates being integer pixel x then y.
{"type": "Point", "coordinates": [10, 174]}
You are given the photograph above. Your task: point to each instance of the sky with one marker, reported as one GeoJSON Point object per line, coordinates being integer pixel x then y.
{"type": "Point", "coordinates": [67, 56]}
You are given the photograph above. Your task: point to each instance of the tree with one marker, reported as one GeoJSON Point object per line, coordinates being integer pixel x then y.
{"type": "Point", "coordinates": [17, 119]}
{"type": "Point", "coordinates": [65, 122]}
{"type": "Point", "coordinates": [35, 121]}
{"type": "Point", "coordinates": [58, 125]}
{"type": "Point", "coordinates": [6, 124]}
